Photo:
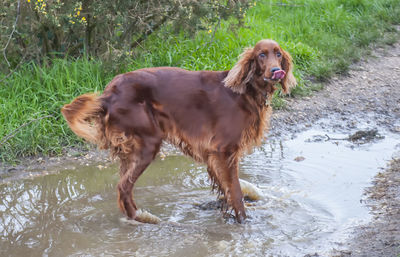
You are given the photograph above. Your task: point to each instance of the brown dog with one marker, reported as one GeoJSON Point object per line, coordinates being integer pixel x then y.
{"type": "Point", "coordinates": [212, 116]}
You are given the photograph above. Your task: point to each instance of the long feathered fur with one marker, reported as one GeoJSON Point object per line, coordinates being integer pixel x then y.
{"type": "Point", "coordinates": [83, 116]}
{"type": "Point", "coordinates": [242, 73]}
{"type": "Point", "coordinates": [289, 81]}
{"type": "Point", "coordinates": [137, 140]}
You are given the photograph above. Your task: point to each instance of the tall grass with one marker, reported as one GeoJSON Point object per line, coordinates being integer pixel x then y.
{"type": "Point", "coordinates": [32, 98]}
{"type": "Point", "coordinates": [324, 38]}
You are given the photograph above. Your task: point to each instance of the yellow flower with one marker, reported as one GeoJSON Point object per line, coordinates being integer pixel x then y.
{"type": "Point", "coordinates": [78, 13]}
{"type": "Point", "coordinates": [209, 31]}
{"type": "Point", "coordinates": [83, 19]}
{"type": "Point", "coordinates": [28, 1]}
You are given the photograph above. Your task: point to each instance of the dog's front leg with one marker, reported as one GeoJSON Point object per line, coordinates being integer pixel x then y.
{"type": "Point", "coordinates": [225, 170]}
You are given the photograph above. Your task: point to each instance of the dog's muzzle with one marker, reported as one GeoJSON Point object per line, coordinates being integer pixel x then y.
{"type": "Point", "coordinates": [277, 75]}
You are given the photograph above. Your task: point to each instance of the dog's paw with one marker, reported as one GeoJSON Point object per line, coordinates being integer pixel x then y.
{"type": "Point", "coordinates": [141, 218]}
{"type": "Point", "coordinates": [250, 191]}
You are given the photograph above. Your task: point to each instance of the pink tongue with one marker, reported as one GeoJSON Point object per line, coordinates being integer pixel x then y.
{"type": "Point", "coordinates": [279, 74]}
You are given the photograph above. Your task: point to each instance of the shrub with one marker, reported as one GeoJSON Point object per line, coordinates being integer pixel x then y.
{"type": "Point", "coordinates": [107, 28]}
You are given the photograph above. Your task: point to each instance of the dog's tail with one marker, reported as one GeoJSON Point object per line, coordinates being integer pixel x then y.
{"type": "Point", "coordinates": [83, 116]}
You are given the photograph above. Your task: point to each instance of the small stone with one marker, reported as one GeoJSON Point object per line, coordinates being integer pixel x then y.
{"type": "Point", "coordinates": [299, 158]}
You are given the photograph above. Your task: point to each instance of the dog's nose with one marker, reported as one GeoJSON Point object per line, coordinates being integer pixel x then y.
{"type": "Point", "coordinates": [275, 69]}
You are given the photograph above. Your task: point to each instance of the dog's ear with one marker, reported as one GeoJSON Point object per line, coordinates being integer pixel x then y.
{"type": "Point", "coordinates": [289, 81]}
{"type": "Point", "coordinates": [242, 72]}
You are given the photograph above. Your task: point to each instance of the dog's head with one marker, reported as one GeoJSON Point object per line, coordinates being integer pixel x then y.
{"type": "Point", "coordinates": [262, 67]}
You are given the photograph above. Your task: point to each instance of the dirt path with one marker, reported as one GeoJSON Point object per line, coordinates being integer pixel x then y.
{"type": "Point", "coordinates": [370, 94]}
{"type": "Point", "coordinates": [371, 89]}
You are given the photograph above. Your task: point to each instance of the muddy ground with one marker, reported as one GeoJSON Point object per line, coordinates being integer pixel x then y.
{"type": "Point", "coordinates": [369, 93]}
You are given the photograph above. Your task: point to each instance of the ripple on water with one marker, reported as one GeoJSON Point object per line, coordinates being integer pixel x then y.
{"type": "Point", "coordinates": [308, 203]}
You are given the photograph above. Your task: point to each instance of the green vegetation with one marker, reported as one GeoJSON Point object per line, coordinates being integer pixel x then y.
{"type": "Point", "coordinates": [324, 37]}
{"type": "Point", "coordinates": [104, 29]}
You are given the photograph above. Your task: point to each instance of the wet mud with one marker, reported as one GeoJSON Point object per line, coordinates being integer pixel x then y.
{"type": "Point", "coordinates": [380, 237]}
{"type": "Point", "coordinates": [369, 95]}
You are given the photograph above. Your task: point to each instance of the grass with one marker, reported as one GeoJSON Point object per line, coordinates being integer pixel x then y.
{"type": "Point", "coordinates": [34, 93]}
{"type": "Point", "coordinates": [324, 38]}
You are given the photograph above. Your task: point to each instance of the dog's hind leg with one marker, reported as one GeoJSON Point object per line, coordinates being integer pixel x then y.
{"type": "Point", "coordinates": [132, 166]}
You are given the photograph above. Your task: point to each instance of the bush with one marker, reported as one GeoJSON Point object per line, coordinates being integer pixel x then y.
{"type": "Point", "coordinates": [54, 28]}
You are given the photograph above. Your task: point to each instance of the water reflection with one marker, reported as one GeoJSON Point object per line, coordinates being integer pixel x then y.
{"type": "Point", "coordinates": [307, 205]}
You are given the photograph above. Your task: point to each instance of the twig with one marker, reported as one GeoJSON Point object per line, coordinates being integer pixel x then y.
{"type": "Point", "coordinates": [14, 132]}
{"type": "Point", "coordinates": [328, 138]}
{"type": "Point", "coordinates": [12, 32]}
{"type": "Point", "coordinates": [215, 30]}
{"type": "Point", "coordinates": [150, 29]}
{"type": "Point", "coordinates": [16, 67]}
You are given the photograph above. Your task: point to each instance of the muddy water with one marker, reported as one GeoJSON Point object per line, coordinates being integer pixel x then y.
{"type": "Point", "coordinates": [312, 190]}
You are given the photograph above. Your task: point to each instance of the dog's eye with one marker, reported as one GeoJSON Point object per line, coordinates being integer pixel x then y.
{"type": "Point", "coordinates": [262, 55]}
{"type": "Point", "coordinates": [278, 54]}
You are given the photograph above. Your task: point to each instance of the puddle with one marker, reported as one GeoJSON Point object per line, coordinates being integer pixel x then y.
{"type": "Point", "coordinates": [312, 194]}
